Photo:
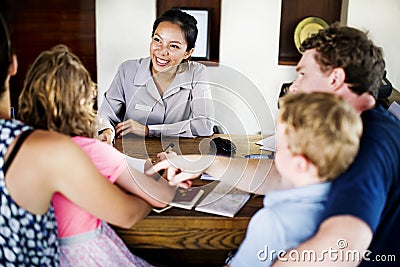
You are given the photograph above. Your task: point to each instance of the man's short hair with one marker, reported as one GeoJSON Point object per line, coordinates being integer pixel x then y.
{"type": "Point", "coordinates": [352, 50]}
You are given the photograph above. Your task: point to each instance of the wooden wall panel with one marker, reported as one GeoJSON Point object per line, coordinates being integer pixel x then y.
{"type": "Point", "coordinates": [38, 25]}
{"type": "Point", "coordinates": [293, 11]}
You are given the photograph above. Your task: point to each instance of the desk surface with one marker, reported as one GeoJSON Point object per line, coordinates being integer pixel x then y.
{"type": "Point", "coordinates": [143, 148]}
{"type": "Point", "coordinates": [188, 229]}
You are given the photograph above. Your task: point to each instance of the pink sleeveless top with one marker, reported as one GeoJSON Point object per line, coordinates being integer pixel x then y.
{"type": "Point", "coordinates": [71, 219]}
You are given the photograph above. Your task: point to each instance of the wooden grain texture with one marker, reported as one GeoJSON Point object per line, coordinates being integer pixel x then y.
{"type": "Point", "coordinates": [181, 229]}
{"type": "Point", "coordinates": [185, 233]}
{"type": "Point", "coordinates": [140, 147]}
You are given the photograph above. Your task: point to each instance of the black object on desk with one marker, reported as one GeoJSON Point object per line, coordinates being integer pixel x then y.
{"type": "Point", "coordinates": [222, 146]}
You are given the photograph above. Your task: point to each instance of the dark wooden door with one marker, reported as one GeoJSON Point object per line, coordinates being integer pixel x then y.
{"type": "Point", "coordinates": [293, 11]}
{"type": "Point", "coordinates": [38, 25]}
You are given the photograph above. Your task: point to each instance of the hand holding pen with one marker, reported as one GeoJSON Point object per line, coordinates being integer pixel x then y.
{"type": "Point", "coordinates": [169, 148]}
{"type": "Point", "coordinates": [162, 155]}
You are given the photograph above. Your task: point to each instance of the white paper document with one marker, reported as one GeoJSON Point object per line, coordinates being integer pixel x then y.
{"type": "Point", "coordinates": [395, 109]}
{"type": "Point", "coordinates": [223, 200]}
{"type": "Point", "coordinates": [267, 143]}
{"type": "Point", "coordinates": [207, 177]}
{"type": "Point", "coordinates": [136, 163]}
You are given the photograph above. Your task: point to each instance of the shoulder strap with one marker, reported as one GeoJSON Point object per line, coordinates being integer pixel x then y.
{"type": "Point", "coordinates": [15, 150]}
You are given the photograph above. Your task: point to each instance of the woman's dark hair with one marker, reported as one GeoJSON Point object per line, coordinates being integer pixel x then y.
{"type": "Point", "coordinates": [5, 53]}
{"type": "Point", "coordinates": [187, 23]}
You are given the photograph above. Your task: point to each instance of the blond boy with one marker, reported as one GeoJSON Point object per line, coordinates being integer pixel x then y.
{"type": "Point", "coordinates": [317, 139]}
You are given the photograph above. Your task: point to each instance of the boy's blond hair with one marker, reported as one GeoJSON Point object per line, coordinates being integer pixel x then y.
{"type": "Point", "coordinates": [323, 128]}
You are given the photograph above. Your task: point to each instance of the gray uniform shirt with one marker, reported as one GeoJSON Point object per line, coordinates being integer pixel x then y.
{"type": "Point", "coordinates": [185, 109]}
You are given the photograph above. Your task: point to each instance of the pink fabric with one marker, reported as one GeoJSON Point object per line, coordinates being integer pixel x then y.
{"type": "Point", "coordinates": [71, 219]}
{"type": "Point", "coordinates": [106, 249]}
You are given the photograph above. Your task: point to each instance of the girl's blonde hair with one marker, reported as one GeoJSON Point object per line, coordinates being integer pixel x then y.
{"type": "Point", "coordinates": [59, 94]}
{"type": "Point", "coordinates": [322, 127]}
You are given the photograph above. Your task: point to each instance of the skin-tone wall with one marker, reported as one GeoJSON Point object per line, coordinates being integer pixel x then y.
{"type": "Point", "coordinates": [248, 45]}
{"type": "Point", "coordinates": [380, 18]}
{"type": "Point", "coordinates": [123, 31]}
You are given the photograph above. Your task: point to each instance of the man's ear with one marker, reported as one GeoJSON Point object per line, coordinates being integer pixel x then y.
{"type": "Point", "coordinates": [338, 77]}
{"type": "Point", "coordinates": [13, 68]}
{"type": "Point", "coordinates": [188, 53]}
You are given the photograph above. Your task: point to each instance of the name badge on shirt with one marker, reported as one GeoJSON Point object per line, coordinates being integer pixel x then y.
{"type": "Point", "coordinates": [143, 107]}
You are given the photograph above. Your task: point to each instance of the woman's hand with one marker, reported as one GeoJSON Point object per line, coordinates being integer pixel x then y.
{"type": "Point", "coordinates": [172, 173]}
{"type": "Point", "coordinates": [163, 155]}
{"type": "Point", "coordinates": [106, 136]}
{"type": "Point", "coordinates": [131, 126]}
{"type": "Point", "coordinates": [182, 169]}
{"type": "Point", "coordinates": [149, 163]}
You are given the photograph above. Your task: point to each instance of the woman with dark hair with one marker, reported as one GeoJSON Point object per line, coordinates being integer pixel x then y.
{"type": "Point", "coordinates": [164, 94]}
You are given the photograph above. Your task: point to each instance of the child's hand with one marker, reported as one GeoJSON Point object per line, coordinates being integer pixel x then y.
{"type": "Point", "coordinates": [106, 136]}
{"type": "Point", "coordinates": [163, 156]}
{"type": "Point", "coordinates": [148, 164]}
{"type": "Point", "coordinates": [181, 170]}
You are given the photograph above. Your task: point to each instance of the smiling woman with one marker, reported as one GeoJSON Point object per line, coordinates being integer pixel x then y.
{"type": "Point", "coordinates": [167, 50]}
{"type": "Point", "coordinates": [164, 94]}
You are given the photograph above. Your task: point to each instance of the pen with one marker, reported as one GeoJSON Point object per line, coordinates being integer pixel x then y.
{"type": "Point", "coordinates": [166, 150]}
{"type": "Point", "coordinates": [169, 148]}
